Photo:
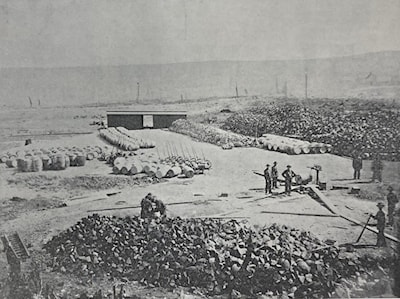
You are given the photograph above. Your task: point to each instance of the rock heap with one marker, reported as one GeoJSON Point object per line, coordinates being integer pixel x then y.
{"type": "Point", "coordinates": [210, 255]}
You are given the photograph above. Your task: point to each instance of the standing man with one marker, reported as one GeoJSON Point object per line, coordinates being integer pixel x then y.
{"type": "Point", "coordinates": [392, 201]}
{"type": "Point", "coordinates": [146, 206]}
{"type": "Point", "coordinates": [357, 166]}
{"type": "Point", "coordinates": [288, 174]}
{"type": "Point", "coordinates": [267, 177]}
{"type": "Point", "coordinates": [159, 209]}
{"type": "Point", "coordinates": [274, 175]}
{"type": "Point", "coordinates": [377, 168]}
{"type": "Point", "coordinates": [380, 225]}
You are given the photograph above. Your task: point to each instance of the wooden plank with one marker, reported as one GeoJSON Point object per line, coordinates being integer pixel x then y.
{"type": "Point", "coordinates": [300, 214]}
{"type": "Point", "coordinates": [371, 229]}
{"type": "Point", "coordinates": [324, 199]}
{"type": "Point", "coordinates": [167, 204]}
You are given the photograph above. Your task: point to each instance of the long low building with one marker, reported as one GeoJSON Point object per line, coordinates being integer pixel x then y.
{"type": "Point", "coordinates": [135, 120]}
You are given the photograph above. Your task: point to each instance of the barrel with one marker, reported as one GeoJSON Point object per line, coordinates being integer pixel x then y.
{"type": "Point", "coordinates": [37, 164]}
{"type": "Point", "coordinates": [297, 150]}
{"type": "Point", "coordinates": [136, 168]}
{"type": "Point", "coordinates": [275, 147]}
{"type": "Point", "coordinates": [150, 169]}
{"type": "Point", "coordinates": [174, 171]}
{"type": "Point", "coordinates": [24, 165]}
{"type": "Point", "coordinates": [126, 167]}
{"type": "Point", "coordinates": [58, 161]}
{"type": "Point", "coordinates": [89, 156]}
{"type": "Point", "coordinates": [46, 160]}
{"type": "Point", "coordinates": [306, 149]}
{"type": "Point", "coordinates": [12, 163]}
{"type": "Point", "coordinates": [162, 171]}
{"type": "Point", "coordinates": [187, 171]}
{"type": "Point", "coordinates": [67, 161]}
{"type": "Point", "coordinates": [72, 159]}
{"type": "Point", "coordinates": [322, 148]}
{"type": "Point", "coordinates": [80, 160]}
{"type": "Point", "coordinates": [3, 158]}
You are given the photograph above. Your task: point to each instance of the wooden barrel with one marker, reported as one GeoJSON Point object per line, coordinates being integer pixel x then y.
{"type": "Point", "coordinates": [58, 161]}
{"type": "Point", "coordinates": [89, 156]}
{"type": "Point", "coordinates": [322, 148]}
{"type": "Point", "coordinates": [46, 160]}
{"type": "Point", "coordinates": [80, 160]}
{"type": "Point", "coordinates": [174, 171]}
{"type": "Point", "coordinates": [136, 168]}
{"type": "Point", "coordinates": [275, 146]}
{"type": "Point", "coordinates": [67, 161]}
{"type": "Point", "coordinates": [150, 169]}
{"type": "Point", "coordinates": [3, 158]}
{"type": "Point", "coordinates": [306, 149]}
{"type": "Point", "coordinates": [72, 159]}
{"type": "Point", "coordinates": [162, 171]}
{"type": "Point", "coordinates": [187, 171]}
{"type": "Point", "coordinates": [297, 150]}
{"type": "Point", "coordinates": [25, 165]}
{"type": "Point", "coordinates": [37, 164]}
{"type": "Point", "coordinates": [12, 163]}
{"type": "Point", "coordinates": [126, 167]}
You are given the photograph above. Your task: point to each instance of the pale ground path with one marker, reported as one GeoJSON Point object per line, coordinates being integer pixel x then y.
{"type": "Point", "coordinates": [231, 173]}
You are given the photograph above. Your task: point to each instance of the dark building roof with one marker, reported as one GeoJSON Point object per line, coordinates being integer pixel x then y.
{"type": "Point", "coordinates": [130, 112]}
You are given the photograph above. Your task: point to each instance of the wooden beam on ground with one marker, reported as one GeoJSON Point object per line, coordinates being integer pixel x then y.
{"type": "Point", "coordinates": [326, 201]}
{"type": "Point", "coordinates": [371, 229]}
{"type": "Point", "coordinates": [167, 204]}
{"type": "Point", "coordinates": [300, 214]}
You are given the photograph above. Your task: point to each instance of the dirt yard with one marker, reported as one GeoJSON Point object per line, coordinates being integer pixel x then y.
{"type": "Point", "coordinates": [38, 206]}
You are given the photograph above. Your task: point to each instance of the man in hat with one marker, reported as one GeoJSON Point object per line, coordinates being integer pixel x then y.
{"type": "Point", "coordinates": [392, 201]}
{"type": "Point", "coordinates": [274, 175]}
{"type": "Point", "coordinates": [380, 225]}
{"type": "Point", "coordinates": [158, 209]}
{"type": "Point", "coordinates": [288, 174]}
{"type": "Point", "coordinates": [146, 205]}
{"type": "Point", "coordinates": [357, 166]}
{"type": "Point", "coordinates": [267, 177]}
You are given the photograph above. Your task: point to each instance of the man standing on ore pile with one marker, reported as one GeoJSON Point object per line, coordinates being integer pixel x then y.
{"type": "Point", "coordinates": [267, 177]}
{"type": "Point", "coordinates": [146, 211]}
{"type": "Point", "coordinates": [380, 225]}
{"type": "Point", "coordinates": [357, 166]}
{"type": "Point", "coordinates": [158, 209]}
{"type": "Point", "coordinates": [274, 175]}
{"type": "Point", "coordinates": [392, 201]}
{"type": "Point", "coordinates": [288, 174]}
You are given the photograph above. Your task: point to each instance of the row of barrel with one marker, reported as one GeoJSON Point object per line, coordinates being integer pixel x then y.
{"type": "Point", "coordinates": [124, 139]}
{"type": "Point", "coordinates": [133, 166]}
{"type": "Point", "coordinates": [292, 146]}
{"type": "Point", "coordinates": [35, 160]}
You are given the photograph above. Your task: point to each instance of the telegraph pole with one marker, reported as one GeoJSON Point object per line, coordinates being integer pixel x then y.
{"type": "Point", "coordinates": [237, 93]}
{"type": "Point", "coordinates": [138, 91]}
{"type": "Point", "coordinates": [306, 84]}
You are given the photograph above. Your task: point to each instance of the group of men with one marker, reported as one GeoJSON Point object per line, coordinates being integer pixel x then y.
{"type": "Point", "coordinates": [152, 208]}
{"type": "Point", "coordinates": [271, 178]}
{"type": "Point", "coordinates": [377, 167]}
{"type": "Point", "coordinates": [393, 217]}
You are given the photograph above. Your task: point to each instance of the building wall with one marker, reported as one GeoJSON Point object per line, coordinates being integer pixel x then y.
{"type": "Point", "coordinates": [165, 121]}
{"type": "Point", "coordinates": [131, 122]}
{"type": "Point", "coordinates": [135, 121]}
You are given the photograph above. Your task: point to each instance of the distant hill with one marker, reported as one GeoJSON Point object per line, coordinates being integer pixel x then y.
{"type": "Point", "coordinates": [367, 75]}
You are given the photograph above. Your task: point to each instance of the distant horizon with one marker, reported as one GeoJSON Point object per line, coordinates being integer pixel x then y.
{"type": "Point", "coordinates": [204, 61]}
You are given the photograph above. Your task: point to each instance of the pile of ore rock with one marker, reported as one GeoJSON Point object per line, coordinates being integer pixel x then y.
{"type": "Point", "coordinates": [209, 255]}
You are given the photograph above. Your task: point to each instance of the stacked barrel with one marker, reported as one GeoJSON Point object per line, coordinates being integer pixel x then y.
{"type": "Point", "coordinates": [124, 139]}
{"type": "Point", "coordinates": [160, 168]}
{"type": "Point", "coordinates": [292, 146]}
{"type": "Point", "coordinates": [60, 158]}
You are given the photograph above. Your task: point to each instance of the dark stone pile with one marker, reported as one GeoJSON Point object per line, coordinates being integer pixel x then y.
{"type": "Point", "coordinates": [210, 255]}
{"type": "Point", "coordinates": [350, 132]}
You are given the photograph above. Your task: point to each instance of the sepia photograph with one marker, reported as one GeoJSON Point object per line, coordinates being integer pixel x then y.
{"type": "Point", "coordinates": [188, 149]}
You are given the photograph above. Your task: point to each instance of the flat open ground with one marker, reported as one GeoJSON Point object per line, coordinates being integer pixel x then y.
{"type": "Point", "coordinates": [39, 217]}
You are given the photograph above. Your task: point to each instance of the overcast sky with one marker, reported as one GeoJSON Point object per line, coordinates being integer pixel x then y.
{"type": "Point", "coordinates": [113, 32]}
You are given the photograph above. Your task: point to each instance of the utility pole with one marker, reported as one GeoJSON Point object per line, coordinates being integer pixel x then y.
{"type": "Point", "coordinates": [306, 84]}
{"type": "Point", "coordinates": [138, 91]}
{"type": "Point", "coordinates": [237, 93]}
